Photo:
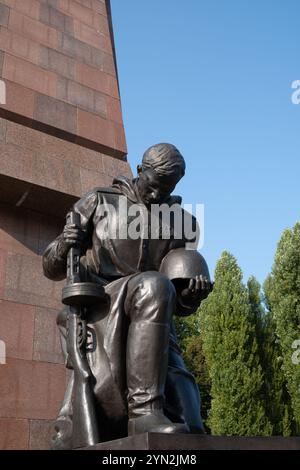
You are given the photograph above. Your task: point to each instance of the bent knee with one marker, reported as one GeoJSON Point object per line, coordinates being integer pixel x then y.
{"type": "Point", "coordinates": [153, 298]}
{"type": "Point", "coordinates": [158, 284]}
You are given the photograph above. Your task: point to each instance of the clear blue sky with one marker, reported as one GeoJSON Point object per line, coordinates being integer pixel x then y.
{"type": "Point", "coordinates": [214, 78]}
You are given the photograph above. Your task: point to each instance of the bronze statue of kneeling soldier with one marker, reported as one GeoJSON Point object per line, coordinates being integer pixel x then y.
{"type": "Point", "coordinates": [118, 337]}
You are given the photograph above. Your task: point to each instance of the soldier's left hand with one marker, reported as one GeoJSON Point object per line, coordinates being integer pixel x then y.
{"type": "Point", "coordinates": [197, 290]}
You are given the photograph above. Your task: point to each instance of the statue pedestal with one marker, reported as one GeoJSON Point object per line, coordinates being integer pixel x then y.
{"type": "Point", "coordinates": [157, 442]}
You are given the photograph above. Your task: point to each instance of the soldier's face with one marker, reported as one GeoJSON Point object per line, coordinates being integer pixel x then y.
{"type": "Point", "coordinates": [154, 189]}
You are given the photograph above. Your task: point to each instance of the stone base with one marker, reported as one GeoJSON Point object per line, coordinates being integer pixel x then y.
{"type": "Point", "coordinates": [155, 441]}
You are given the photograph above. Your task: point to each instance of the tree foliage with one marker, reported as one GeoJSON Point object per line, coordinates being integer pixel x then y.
{"type": "Point", "coordinates": [244, 347]}
{"type": "Point", "coordinates": [189, 335]}
{"type": "Point", "coordinates": [283, 297]}
{"type": "Point", "coordinates": [275, 395]}
{"type": "Point", "coordinates": [231, 350]}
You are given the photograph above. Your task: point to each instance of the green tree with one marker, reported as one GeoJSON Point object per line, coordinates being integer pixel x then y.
{"type": "Point", "coordinates": [283, 293]}
{"type": "Point", "coordinates": [231, 351]}
{"type": "Point", "coordinates": [189, 335]}
{"type": "Point", "coordinates": [275, 396]}
{"type": "Point", "coordinates": [257, 310]}
{"type": "Point", "coordinates": [194, 358]}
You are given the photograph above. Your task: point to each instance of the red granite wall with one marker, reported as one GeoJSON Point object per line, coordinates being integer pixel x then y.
{"type": "Point", "coordinates": [32, 381]}
{"type": "Point", "coordinates": [58, 64]}
{"type": "Point", "coordinates": [61, 133]}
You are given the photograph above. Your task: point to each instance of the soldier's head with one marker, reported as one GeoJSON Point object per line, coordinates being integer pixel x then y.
{"type": "Point", "coordinates": [161, 169]}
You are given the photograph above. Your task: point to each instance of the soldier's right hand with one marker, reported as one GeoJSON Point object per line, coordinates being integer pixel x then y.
{"type": "Point", "coordinates": [72, 235]}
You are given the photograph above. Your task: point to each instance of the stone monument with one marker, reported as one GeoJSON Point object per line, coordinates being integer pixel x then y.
{"type": "Point", "coordinates": [61, 133]}
{"type": "Point", "coordinates": [123, 288]}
